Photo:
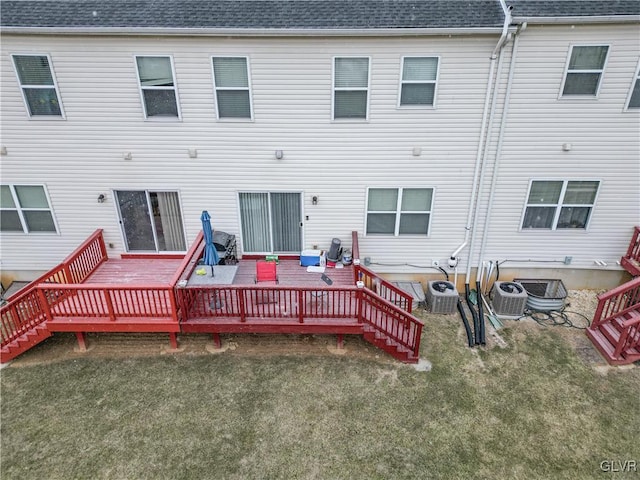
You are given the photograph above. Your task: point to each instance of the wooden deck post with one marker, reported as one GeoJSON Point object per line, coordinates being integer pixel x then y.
{"type": "Point", "coordinates": [340, 341]}
{"type": "Point", "coordinates": [216, 340]}
{"type": "Point", "coordinates": [173, 340]}
{"type": "Point", "coordinates": [82, 345]}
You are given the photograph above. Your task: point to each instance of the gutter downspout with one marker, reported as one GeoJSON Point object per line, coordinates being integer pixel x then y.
{"type": "Point", "coordinates": [498, 155]}
{"type": "Point", "coordinates": [483, 145]}
{"type": "Point", "coordinates": [453, 260]}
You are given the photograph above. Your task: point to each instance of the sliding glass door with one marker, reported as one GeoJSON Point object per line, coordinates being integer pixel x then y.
{"type": "Point", "coordinates": [271, 222]}
{"type": "Point", "coordinates": [151, 221]}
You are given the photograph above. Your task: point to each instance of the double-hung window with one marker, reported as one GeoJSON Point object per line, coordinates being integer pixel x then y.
{"type": "Point", "coordinates": [584, 70]}
{"type": "Point", "coordinates": [634, 94]}
{"type": "Point", "coordinates": [350, 88]}
{"type": "Point", "coordinates": [157, 87]}
{"type": "Point", "coordinates": [232, 87]}
{"type": "Point", "coordinates": [418, 85]}
{"type": "Point", "coordinates": [38, 84]}
{"type": "Point", "coordinates": [399, 211]}
{"type": "Point", "coordinates": [25, 209]}
{"type": "Point", "coordinates": [556, 204]}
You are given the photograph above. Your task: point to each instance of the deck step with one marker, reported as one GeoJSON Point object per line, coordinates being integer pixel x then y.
{"type": "Point", "coordinates": [24, 342]}
{"type": "Point", "coordinates": [607, 349]}
{"type": "Point", "coordinates": [378, 338]}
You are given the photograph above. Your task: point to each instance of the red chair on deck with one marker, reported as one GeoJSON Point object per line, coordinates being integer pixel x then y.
{"type": "Point", "coordinates": [266, 271]}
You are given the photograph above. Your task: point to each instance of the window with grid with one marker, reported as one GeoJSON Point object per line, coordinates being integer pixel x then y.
{"type": "Point", "coordinates": [557, 204]}
{"type": "Point", "coordinates": [634, 94]}
{"type": "Point", "coordinates": [418, 85]}
{"type": "Point", "coordinates": [232, 87]}
{"type": "Point", "coordinates": [584, 70]}
{"type": "Point", "coordinates": [350, 88]}
{"type": "Point", "coordinates": [157, 87]}
{"type": "Point", "coordinates": [38, 85]}
{"type": "Point", "coordinates": [25, 209]}
{"type": "Point", "coordinates": [399, 211]}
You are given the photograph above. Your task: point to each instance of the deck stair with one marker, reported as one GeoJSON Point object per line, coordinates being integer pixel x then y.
{"type": "Point", "coordinates": [384, 342]}
{"type": "Point", "coordinates": [615, 330]}
{"type": "Point", "coordinates": [24, 342]}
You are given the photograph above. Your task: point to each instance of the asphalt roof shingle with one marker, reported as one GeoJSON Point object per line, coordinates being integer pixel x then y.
{"type": "Point", "coordinates": [291, 14]}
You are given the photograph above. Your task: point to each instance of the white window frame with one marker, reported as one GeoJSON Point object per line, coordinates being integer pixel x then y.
{"type": "Point", "coordinates": [559, 205]}
{"type": "Point", "coordinates": [398, 212]}
{"type": "Point", "coordinates": [20, 209]}
{"type": "Point", "coordinates": [600, 72]}
{"type": "Point", "coordinates": [174, 88]}
{"type": "Point", "coordinates": [62, 115]}
{"type": "Point", "coordinates": [636, 79]}
{"type": "Point", "coordinates": [248, 87]}
{"type": "Point", "coordinates": [418, 82]}
{"type": "Point", "coordinates": [349, 89]}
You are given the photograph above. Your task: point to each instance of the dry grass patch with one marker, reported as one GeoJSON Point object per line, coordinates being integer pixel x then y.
{"type": "Point", "coordinates": [291, 410]}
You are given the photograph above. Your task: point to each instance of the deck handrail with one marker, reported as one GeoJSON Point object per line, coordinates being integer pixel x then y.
{"type": "Point", "coordinates": [24, 311]}
{"type": "Point", "coordinates": [190, 259]}
{"type": "Point", "coordinates": [395, 322]}
{"type": "Point", "coordinates": [384, 288]}
{"type": "Point", "coordinates": [633, 252]}
{"type": "Point", "coordinates": [355, 247]}
{"type": "Point", "coordinates": [616, 302]}
{"type": "Point", "coordinates": [85, 259]}
{"type": "Point", "coordinates": [250, 304]}
{"type": "Point", "coordinates": [109, 301]}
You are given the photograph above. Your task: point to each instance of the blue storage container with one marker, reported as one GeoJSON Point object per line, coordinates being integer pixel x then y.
{"type": "Point", "coordinates": [310, 258]}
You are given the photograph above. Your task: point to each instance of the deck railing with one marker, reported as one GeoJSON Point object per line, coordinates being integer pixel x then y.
{"type": "Point", "coordinates": [384, 288]}
{"type": "Point", "coordinates": [395, 322]}
{"type": "Point", "coordinates": [85, 259]}
{"type": "Point", "coordinates": [616, 302]}
{"type": "Point", "coordinates": [246, 303]}
{"type": "Point", "coordinates": [109, 302]}
{"type": "Point", "coordinates": [631, 260]}
{"type": "Point", "coordinates": [24, 310]}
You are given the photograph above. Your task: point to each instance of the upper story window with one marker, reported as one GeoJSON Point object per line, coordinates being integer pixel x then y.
{"type": "Point", "coordinates": [554, 204]}
{"type": "Point", "coordinates": [350, 88]}
{"type": "Point", "coordinates": [38, 85]}
{"type": "Point", "coordinates": [157, 87]}
{"type": "Point", "coordinates": [25, 209]}
{"type": "Point", "coordinates": [399, 211]}
{"type": "Point", "coordinates": [232, 87]}
{"type": "Point", "coordinates": [634, 94]}
{"type": "Point", "coordinates": [584, 70]}
{"type": "Point", "coordinates": [418, 85]}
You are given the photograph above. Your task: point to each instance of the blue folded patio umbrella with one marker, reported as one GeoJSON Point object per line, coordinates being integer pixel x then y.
{"type": "Point", "coordinates": [211, 257]}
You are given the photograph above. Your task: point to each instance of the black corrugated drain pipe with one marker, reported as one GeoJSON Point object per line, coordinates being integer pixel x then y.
{"type": "Point", "coordinates": [465, 322]}
{"type": "Point", "coordinates": [474, 316]}
{"type": "Point", "coordinates": [482, 334]}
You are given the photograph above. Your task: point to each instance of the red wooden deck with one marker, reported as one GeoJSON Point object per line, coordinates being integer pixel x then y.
{"type": "Point", "coordinates": [90, 292]}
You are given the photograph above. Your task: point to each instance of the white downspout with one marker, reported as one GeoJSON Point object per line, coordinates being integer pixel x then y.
{"type": "Point", "coordinates": [479, 171]}
{"type": "Point", "coordinates": [498, 157]}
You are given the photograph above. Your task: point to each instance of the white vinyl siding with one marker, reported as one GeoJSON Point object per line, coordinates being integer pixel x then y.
{"type": "Point", "coordinates": [38, 85]}
{"type": "Point", "coordinates": [157, 87]}
{"type": "Point", "coordinates": [399, 211]}
{"type": "Point", "coordinates": [584, 71]}
{"type": "Point", "coordinates": [559, 204]}
{"type": "Point", "coordinates": [232, 85]}
{"type": "Point", "coordinates": [634, 95]}
{"type": "Point", "coordinates": [418, 81]}
{"type": "Point", "coordinates": [25, 209]}
{"type": "Point", "coordinates": [350, 88]}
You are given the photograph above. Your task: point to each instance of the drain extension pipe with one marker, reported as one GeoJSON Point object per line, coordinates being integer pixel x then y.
{"type": "Point", "coordinates": [478, 177]}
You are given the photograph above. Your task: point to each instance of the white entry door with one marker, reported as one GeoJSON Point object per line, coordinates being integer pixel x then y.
{"type": "Point", "coordinates": [271, 222]}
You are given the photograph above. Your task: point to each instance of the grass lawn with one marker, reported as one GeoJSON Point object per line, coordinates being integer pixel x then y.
{"type": "Point", "coordinates": [531, 410]}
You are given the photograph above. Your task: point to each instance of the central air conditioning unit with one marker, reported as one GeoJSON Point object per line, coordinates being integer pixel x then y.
{"type": "Point", "coordinates": [442, 296]}
{"type": "Point", "coordinates": [509, 299]}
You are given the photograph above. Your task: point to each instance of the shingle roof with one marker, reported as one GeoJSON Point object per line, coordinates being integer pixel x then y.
{"type": "Point", "coordinates": [291, 14]}
{"type": "Point", "coordinates": [574, 8]}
